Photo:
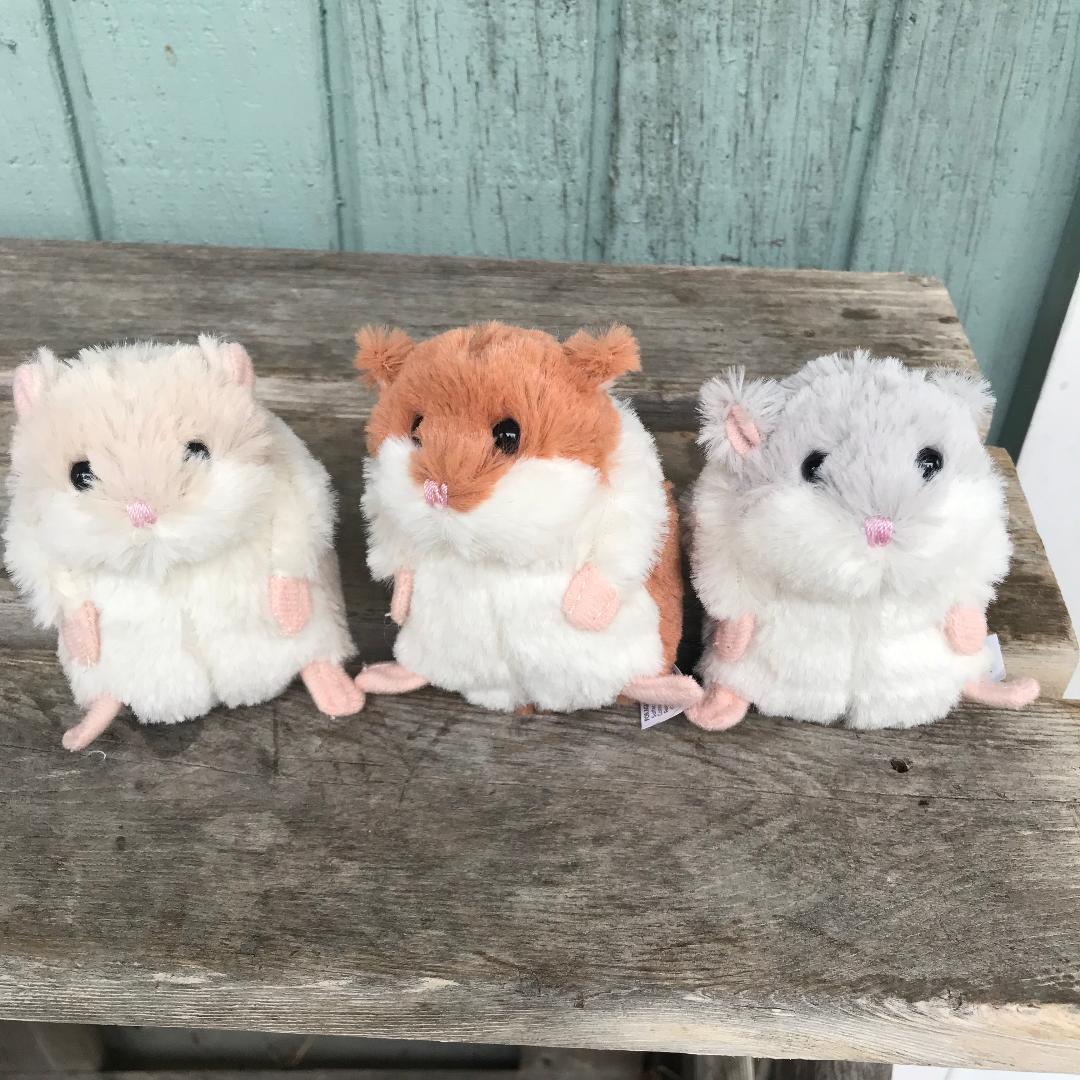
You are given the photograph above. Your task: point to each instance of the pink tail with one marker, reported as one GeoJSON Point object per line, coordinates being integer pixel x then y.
{"type": "Point", "coordinates": [671, 690]}
{"type": "Point", "coordinates": [98, 717]}
{"type": "Point", "coordinates": [1014, 694]}
{"type": "Point", "coordinates": [388, 678]}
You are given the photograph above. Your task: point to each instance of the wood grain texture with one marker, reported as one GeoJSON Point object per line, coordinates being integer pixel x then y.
{"type": "Point", "coordinates": [738, 126]}
{"type": "Point", "coordinates": [208, 120]}
{"type": "Point", "coordinates": [41, 192]}
{"type": "Point", "coordinates": [471, 125]}
{"type": "Point", "coordinates": [1029, 604]}
{"type": "Point", "coordinates": [427, 870]}
{"type": "Point", "coordinates": [975, 161]}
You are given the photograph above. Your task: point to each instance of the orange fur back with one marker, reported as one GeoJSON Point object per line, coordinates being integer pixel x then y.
{"type": "Point", "coordinates": [665, 586]}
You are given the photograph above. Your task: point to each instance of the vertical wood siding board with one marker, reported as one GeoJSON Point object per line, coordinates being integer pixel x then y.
{"type": "Point", "coordinates": [500, 149]}
{"type": "Point", "coordinates": [77, 109]}
{"type": "Point", "coordinates": [41, 188]}
{"type": "Point", "coordinates": [865, 131]}
{"type": "Point", "coordinates": [1061, 282]}
{"type": "Point", "coordinates": [721, 101]}
{"type": "Point", "coordinates": [341, 121]}
{"type": "Point", "coordinates": [329, 95]}
{"type": "Point", "coordinates": [976, 165]}
{"type": "Point", "coordinates": [603, 123]}
{"type": "Point", "coordinates": [199, 137]}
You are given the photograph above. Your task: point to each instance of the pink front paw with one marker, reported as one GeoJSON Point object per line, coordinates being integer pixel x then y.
{"type": "Point", "coordinates": [590, 602]}
{"type": "Point", "coordinates": [402, 596]}
{"type": "Point", "coordinates": [81, 636]}
{"type": "Point", "coordinates": [290, 603]}
{"type": "Point", "coordinates": [965, 630]}
{"type": "Point", "coordinates": [732, 637]}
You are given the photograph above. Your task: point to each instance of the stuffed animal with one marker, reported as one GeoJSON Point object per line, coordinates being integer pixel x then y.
{"type": "Point", "coordinates": [177, 533]}
{"type": "Point", "coordinates": [848, 529]}
{"type": "Point", "coordinates": [522, 514]}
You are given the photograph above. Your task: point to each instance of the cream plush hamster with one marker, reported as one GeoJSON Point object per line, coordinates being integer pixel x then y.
{"type": "Point", "coordinates": [847, 533]}
{"type": "Point", "coordinates": [522, 514]}
{"type": "Point", "coordinates": [177, 534]}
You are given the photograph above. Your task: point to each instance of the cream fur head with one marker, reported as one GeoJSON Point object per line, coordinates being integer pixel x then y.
{"type": "Point", "coordinates": [855, 477]}
{"type": "Point", "coordinates": [135, 458]}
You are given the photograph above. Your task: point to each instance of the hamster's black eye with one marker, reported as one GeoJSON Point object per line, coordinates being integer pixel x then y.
{"type": "Point", "coordinates": [507, 435]}
{"type": "Point", "coordinates": [196, 449]}
{"type": "Point", "coordinates": [929, 461]}
{"type": "Point", "coordinates": [812, 464]}
{"type": "Point", "coordinates": [82, 475]}
{"type": "Point", "coordinates": [417, 421]}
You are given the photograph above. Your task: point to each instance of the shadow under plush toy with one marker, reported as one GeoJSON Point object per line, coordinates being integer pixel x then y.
{"type": "Point", "coordinates": [177, 533]}
{"type": "Point", "coordinates": [847, 532]}
{"type": "Point", "coordinates": [523, 517]}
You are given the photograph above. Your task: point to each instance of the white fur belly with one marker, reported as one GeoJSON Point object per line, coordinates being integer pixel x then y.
{"type": "Point", "coordinates": [147, 659]}
{"type": "Point", "coordinates": [499, 637]}
{"type": "Point", "coordinates": [449, 636]}
{"type": "Point", "coordinates": [559, 667]}
{"type": "Point", "coordinates": [798, 662]}
{"type": "Point", "coordinates": [248, 657]}
{"type": "Point", "coordinates": [905, 672]}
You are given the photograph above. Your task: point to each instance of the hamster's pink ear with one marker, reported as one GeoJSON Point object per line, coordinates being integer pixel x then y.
{"type": "Point", "coordinates": [231, 358]}
{"type": "Point", "coordinates": [737, 415]}
{"type": "Point", "coordinates": [241, 369]}
{"type": "Point", "coordinates": [599, 361]}
{"type": "Point", "coordinates": [381, 352]}
{"type": "Point", "coordinates": [973, 392]}
{"type": "Point", "coordinates": [28, 382]}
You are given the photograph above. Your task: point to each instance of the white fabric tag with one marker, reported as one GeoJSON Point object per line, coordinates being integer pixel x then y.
{"type": "Point", "coordinates": [651, 715]}
{"type": "Point", "coordinates": [997, 661]}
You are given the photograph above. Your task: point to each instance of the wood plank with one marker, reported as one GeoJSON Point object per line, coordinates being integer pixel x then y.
{"type": "Point", "coordinates": [974, 161]}
{"type": "Point", "coordinates": [41, 193]}
{"type": "Point", "coordinates": [468, 125]}
{"type": "Point", "coordinates": [297, 311]}
{"type": "Point", "coordinates": [198, 137]}
{"type": "Point", "coordinates": [1029, 615]}
{"type": "Point", "coordinates": [429, 870]}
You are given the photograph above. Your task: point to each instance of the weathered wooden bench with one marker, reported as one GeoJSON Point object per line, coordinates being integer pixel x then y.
{"type": "Point", "coordinates": [430, 870]}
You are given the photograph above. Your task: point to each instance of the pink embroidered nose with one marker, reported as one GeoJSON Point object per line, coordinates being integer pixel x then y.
{"type": "Point", "coordinates": [435, 494]}
{"type": "Point", "coordinates": [879, 531]}
{"type": "Point", "coordinates": [141, 514]}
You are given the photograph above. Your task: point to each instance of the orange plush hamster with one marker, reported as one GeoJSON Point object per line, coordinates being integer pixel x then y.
{"type": "Point", "coordinates": [522, 514]}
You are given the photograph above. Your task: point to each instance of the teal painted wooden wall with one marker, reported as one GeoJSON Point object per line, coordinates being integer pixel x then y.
{"type": "Point", "coordinates": [937, 136]}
